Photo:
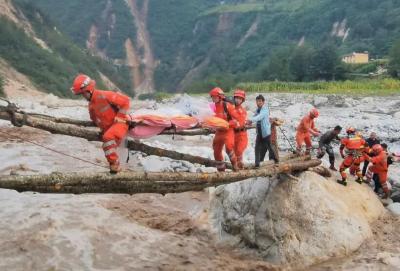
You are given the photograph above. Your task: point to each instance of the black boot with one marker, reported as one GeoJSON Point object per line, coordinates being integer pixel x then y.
{"type": "Point", "coordinates": [342, 182]}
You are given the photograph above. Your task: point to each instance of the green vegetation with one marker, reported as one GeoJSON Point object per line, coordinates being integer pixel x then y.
{"type": "Point", "coordinates": [51, 69]}
{"type": "Point", "coordinates": [76, 17]}
{"type": "Point", "coordinates": [362, 87]}
{"type": "Point", "coordinates": [394, 62]}
{"type": "Point", "coordinates": [186, 33]}
{"type": "Point", "coordinates": [235, 8]}
{"type": "Point", "coordinates": [304, 63]}
{"type": "Point", "coordinates": [282, 24]}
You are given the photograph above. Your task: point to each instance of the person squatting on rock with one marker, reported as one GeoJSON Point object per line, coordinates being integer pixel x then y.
{"type": "Point", "coordinates": [391, 158]}
{"type": "Point", "coordinates": [355, 146]}
{"type": "Point", "coordinates": [223, 137]}
{"type": "Point", "coordinates": [371, 141]}
{"type": "Point", "coordinates": [326, 147]}
{"type": "Point", "coordinates": [305, 129]}
{"type": "Point", "coordinates": [241, 139]}
{"type": "Point", "coordinates": [263, 125]}
{"type": "Point", "coordinates": [109, 111]}
{"type": "Point", "coordinates": [379, 167]}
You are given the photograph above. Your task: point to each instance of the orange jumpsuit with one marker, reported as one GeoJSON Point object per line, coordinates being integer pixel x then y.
{"type": "Point", "coordinates": [304, 131]}
{"type": "Point", "coordinates": [104, 107]}
{"type": "Point", "coordinates": [225, 137]}
{"type": "Point", "coordinates": [241, 139]}
{"type": "Point", "coordinates": [355, 147]}
{"type": "Point", "coordinates": [379, 166]}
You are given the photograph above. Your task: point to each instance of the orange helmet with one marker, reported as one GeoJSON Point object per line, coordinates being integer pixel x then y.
{"type": "Point", "coordinates": [217, 92]}
{"type": "Point", "coordinates": [351, 130]}
{"type": "Point", "coordinates": [240, 93]}
{"type": "Point", "coordinates": [377, 148]}
{"type": "Point", "coordinates": [82, 83]}
{"type": "Point", "coordinates": [314, 113]}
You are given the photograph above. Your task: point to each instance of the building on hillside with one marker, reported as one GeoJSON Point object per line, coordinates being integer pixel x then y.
{"type": "Point", "coordinates": [356, 58]}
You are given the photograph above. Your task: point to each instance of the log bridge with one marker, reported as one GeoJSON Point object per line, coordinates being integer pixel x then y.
{"type": "Point", "coordinates": [133, 182]}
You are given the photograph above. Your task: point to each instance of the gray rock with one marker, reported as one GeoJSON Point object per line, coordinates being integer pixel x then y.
{"type": "Point", "coordinates": [294, 221]}
{"type": "Point", "coordinates": [396, 196]}
{"type": "Point", "coordinates": [367, 100]}
{"type": "Point", "coordinates": [394, 208]}
{"type": "Point", "coordinates": [320, 100]}
{"type": "Point", "coordinates": [187, 164]}
{"type": "Point", "coordinates": [396, 115]}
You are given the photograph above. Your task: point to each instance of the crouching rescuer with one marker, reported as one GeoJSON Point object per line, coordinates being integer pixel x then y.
{"type": "Point", "coordinates": [352, 150]}
{"type": "Point", "coordinates": [109, 111]}
{"type": "Point", "coordinates": [379, 167]}
{"type": "Point", "coordinates": [326, 147]}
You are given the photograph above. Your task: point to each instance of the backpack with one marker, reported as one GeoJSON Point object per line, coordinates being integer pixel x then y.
{"type": "Point", "coordinates": [225, 102]}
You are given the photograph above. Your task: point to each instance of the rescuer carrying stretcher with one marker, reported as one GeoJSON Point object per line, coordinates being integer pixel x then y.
{"type": "Point", "coordinates": [109, 111]}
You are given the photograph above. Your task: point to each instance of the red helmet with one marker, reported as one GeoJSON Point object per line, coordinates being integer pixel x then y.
{"type": "Point", "coordinates": [351, 130]}
{"type": "Point", "coordinates": [377, 148]}
{"type": "Point", "coordinates": [240, 93]}
{"type": "Point", "coordinates": [82, 83]}
{"type": "Point", "coordinates": [217, 92]}
{"type": "Point", "coordinates": [314, 113]}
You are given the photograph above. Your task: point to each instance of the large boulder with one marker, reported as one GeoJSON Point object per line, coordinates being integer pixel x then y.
{"type": "Point", "coordinates": [295, 220]}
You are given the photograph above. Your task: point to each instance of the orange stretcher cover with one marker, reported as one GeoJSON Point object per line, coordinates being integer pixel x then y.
{"type": "Point", "coordinates": [184, 122]}
{"type": "Point", "coordinates": [215, 123]}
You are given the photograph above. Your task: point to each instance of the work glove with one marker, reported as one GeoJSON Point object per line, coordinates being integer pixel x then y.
{"type": "Point", "coordinates": [120, 120]}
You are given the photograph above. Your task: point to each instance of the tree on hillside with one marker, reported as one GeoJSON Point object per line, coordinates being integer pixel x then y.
{"type": "Point", "coordinates": [394, 60]}
{"type": "Point", "coordinates": [300, 63]}
{"type": "Point", "coordinates": [325, 62]}
{"type": "Point", "coordinates": [277, 67]}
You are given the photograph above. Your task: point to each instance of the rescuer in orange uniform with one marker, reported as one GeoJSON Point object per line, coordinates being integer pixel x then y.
{"type": "Point", "coordinates": [223, 137]}
{"type": "Point", "coordinates": [355, 147]}
{"type": "Point", "coordinates": [380, 167]}
{"type": "Point", "coordinates": [241, 139]}
{"type": "Point", "coordinates": [109, 111]}
{"type": "Point", "coordinates": [305, 129]}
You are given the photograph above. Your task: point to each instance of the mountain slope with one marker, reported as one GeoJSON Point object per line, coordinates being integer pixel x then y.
{"type": "Point", "coordinates": [178, 43]}
{"type": "Point", "coordinates": [31, 44]}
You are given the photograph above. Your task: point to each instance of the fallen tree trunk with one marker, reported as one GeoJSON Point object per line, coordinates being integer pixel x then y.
{"type": "Point", "coordinates": [85, 123]}
{"type": "Point", "coordinates": [57, 126]}
{"type": "Point", "coordinates": [52, 127]}
{"type": "Point", "coordinates": [140, 182]}
{"type": "Point", "coordinates": [150, 150]}
{"type": "Point", "coordinates": [94, 135]}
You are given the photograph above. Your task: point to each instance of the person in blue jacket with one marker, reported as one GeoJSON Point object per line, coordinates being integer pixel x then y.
{"type": "Point", "coordinates": [263, 127]}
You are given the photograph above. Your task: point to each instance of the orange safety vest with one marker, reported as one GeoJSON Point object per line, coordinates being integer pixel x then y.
{"type": "Point", "coordinates": [353, 143]}
{"type": "Point", "coordinates": [104, 106]}
{"type": "Point", "coordinates": [241, 115]}
{"type": "Point", "coordinates": [306, 124]}
{"type": "Point", "coordinates": [380, 162]}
